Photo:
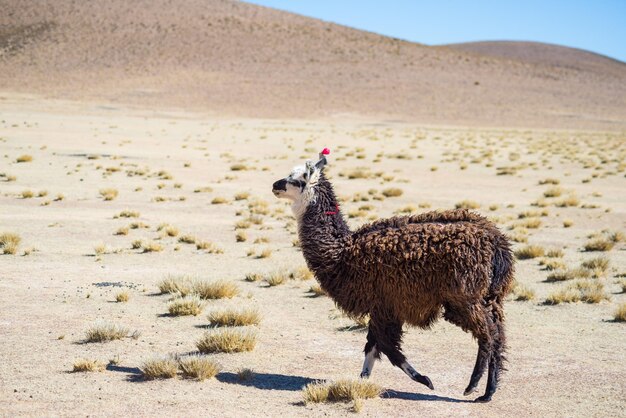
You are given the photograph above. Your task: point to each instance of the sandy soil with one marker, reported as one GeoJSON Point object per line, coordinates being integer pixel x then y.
{"type": "Point", "coordinates": [565, 360]}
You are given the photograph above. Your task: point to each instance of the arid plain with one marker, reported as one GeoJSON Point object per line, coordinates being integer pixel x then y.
{"type": "Point", "coordinates": [174, 168]}
{"type": "Point", "coordinates": [138, 146]}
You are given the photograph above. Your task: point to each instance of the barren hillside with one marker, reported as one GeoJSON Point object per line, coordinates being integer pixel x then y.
{"type": "Point", "coordinates": [232, 58]}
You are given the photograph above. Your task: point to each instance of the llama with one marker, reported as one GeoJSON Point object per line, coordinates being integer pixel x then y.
{"type": "Point", "coordinates": [406, 270]}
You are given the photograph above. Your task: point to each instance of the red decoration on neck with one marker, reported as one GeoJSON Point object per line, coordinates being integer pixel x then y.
{"type": "Point", "coordinates": [333, 212]}
{"type": "Point", "coordinates": [325, 151]}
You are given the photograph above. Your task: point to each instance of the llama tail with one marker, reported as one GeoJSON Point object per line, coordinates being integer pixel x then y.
{"type": "Point", "coordinates": [503, 269]}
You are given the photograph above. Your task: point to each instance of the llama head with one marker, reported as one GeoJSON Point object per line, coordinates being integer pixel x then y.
{"type": "Point", "coordinates": [299, 185]}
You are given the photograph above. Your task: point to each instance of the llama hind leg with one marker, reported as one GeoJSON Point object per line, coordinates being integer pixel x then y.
{"type": "Point", "coordinates": [497, 358]}
{"type": "Point", "coordinates": [476, 320]}
{"type": "Point", "coordinates": [371, 355]}
{"type": "Point", "coordinates": [389, 341]}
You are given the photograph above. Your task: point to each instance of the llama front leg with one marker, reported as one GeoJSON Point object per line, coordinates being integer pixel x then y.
{"type": "Point", "coordinates": [371, 355]}
{"type": "Point", "coordinates": [389, 341]}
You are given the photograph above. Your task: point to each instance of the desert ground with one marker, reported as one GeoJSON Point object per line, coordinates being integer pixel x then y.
{"type": "Point", "coordinates": [182, 173]}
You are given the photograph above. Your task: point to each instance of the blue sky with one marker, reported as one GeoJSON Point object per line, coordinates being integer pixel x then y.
{"type": "Point", "coordinates": [598, 26]}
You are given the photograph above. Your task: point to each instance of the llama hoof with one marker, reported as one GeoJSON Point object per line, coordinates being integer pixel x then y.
{"type": "Point", "coordinates": [424, 380]}
{"type": "Point", "coordinates": [469, 390]}
{"type": "Point", "coordinates": [483, 399]}
{"type": "Point", "coordinates": [365, 375]}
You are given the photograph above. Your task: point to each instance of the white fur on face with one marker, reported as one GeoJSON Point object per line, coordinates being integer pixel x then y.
{"type": "Point", "coordinates": [301, 198]}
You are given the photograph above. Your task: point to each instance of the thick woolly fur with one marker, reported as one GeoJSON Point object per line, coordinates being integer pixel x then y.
{"type": "Point", "coordinates": [409, 269]}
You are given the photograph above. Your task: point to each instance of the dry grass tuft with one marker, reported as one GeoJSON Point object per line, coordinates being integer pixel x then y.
{"type": "Point", "coordinates": [188, 305]}
{"type": "Point", "coordinates": [86, 365]}
{"type": "Point", "coordinates": [105, 332]}
{"type": "Point", "coordinates": [109, 194]}
{"type": "Point", "coordinates": [581, 291]}
{"type": "Point", "coordinates": [392, 192]}
{"type": "Point", "coordinates": [467, 204]}
{"type": "Point", "coordinates": [597, 265]}
{"type": "Point", "coordinates": [529, 251]}
{"type": "Point", "coordinates": [599, 244]}
{"type": "Point", "coordinates": [620, 313]}
{"type": "Point", "coordinates": [151, 247]}
{"type": "Point", "coordinates": [317, 290]}
{"type": "Point", "coordinates": [159, 368]}
{"type": "Point", "coordinates": [209, 247]}
{"type": "Point", "coordinates": [522, 292]}
{"type": "Point", "coordinates": [198, 367]}
{"type": "Point", "coordinates": [227, 340]}
{"type": "Point", "coordinates": [122, 297]}
{"type": "Point", "coordinates": [253, 277]}
{"type": "Point", "coordinates": [234, 317]}
{"type": "Point", "coordinates": [219, 200]}
{"type": "Point", "coordinates": [127, 214]}
{"type": "Point", "coordinates": [181, 285]}
{"type": "Point", "coordinates": [569, 274]}
{"type": "Point", "coordinates": [27, 194]}
{"type": "Point", "coordinates": [9, 242]}
{"type": "Point", "coordinates": [549, 181]}
{"type": "Point", "coordinates": [567, 223]}
{"type": "Point", "coordinates": [219, 289]}
{"type": "Point", "coordinates": [187, 239]}
{"type": "Point", "coordinates": [341, 391]}
{"type": "Point", "coordinates": [24, 158]}
{"type": "Point", "coordinates": [276, 279]}
{"type": "Point", "coordinates": [553, 192]}
{"type": "Point", "coordinates": [302, 273]}
{"type": "Point", "coordinates": [241, 236]}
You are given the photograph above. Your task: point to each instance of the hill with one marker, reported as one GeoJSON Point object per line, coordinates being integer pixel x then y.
{"type": "Point", "coordinates": [232, 58]}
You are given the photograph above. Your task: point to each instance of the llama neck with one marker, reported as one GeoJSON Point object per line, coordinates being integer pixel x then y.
{"type": "Point", "coordinates": [323, 231]}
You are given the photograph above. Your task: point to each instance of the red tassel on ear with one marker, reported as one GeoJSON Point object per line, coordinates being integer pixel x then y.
{"type": "Point", "coordinates": [325, 151]}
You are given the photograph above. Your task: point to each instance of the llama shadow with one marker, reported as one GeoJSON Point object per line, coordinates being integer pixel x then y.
{"type": "Point", "coordinates": [410, 396]}
{"type": "Point", "coordinates": [134, 373]}
{"type": "Point", "coordinates": [267, 381]}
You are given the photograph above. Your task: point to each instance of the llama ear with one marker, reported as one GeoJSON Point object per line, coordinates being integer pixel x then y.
{"type": "Point", "coordinates": [310, 168]}
{"type": "Point", "coordinates": [321, 163]}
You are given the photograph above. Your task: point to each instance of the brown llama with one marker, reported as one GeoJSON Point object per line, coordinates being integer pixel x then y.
{"type": "Point", "coordinates": [406, 270]}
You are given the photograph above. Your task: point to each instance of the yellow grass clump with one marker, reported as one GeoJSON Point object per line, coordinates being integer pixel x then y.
{"type": "Point", "coordinates": [467, 204]}
{"type": "Point", "coordinates": [276, 279]}
{"type": "Point", "coordinates": [529, 251]}
{"type": "Point", "coordinates": [522, 292]}
{"type": "Point", "coordinates": [341, 391]}
{"type": "Point", "coordinates": [219, 289]}
{"type": "Point", "coordinates": [582, 291]}
{"type": "Point", "coordinates": [86, 365]}
{"type": "Point", "coordinates": [599, 244]}
{"type": "Point", "coordinates": [317, 290]}
{"type": "Point", "coordinates": [392, 192]}
{"type": "Point", "coordinates": [620, 313]}
{"type": "Point", "coordinates": [209, 247]}
{"type": "Point", "coordinates": [553, 192]}
{"type": "Point", "coordinates": [105, 332]}
{"type": "Point", "coordinates": [9, 242]}
{"type": "Point", "coordinates": [24, 158]}
{"type": "Point", "coordinates": [234, 317]}
{"type": "Point", "coordinates": [241, 236]}
{"type": "Point", "coordinates": [151, 247]}
{"type": "Point", "coordinates": [159, 368]}
{"type": "Point", "coordinates": [181, 285]}
{"type": "Point", "coordinates": [127, 214]}
{"type": "Point", "coordinates": [227, 340]}
{"type": "Point", "coordinates": [188, 305]}
{"type": "Point", "coordinates": [302, 273]}
{"type": "Point", "coordinates": [597, 265]}
{"type": "Point", "coordinates": [28, 194]}
{"type": "Point", "coordinates": [198, 367]}
{"type": "Point", "coordinates": [122, 297]}
{"type": "Point", "coordinates": [109, 194]}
